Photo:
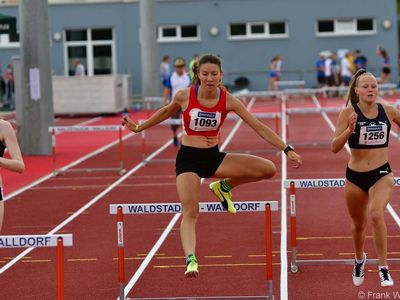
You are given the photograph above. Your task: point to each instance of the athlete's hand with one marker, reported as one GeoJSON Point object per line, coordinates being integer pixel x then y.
{"type": "Point", "coordinates": [352, 122]}
{"type": "Point", "coordinates": [295, 158]}
{"type": "Point", "coordinates": [126, 121]}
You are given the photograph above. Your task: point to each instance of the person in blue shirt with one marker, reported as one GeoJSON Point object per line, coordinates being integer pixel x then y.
{"type": "Point", "coordinates": [360, 61]}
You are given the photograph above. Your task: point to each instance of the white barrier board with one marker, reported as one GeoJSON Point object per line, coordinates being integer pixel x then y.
{"type": "Point", "coordinates": [160, 208]}
{"type": "Point", "coordinates": [26, 241]}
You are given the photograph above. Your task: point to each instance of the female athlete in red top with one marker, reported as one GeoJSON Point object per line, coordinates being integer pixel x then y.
{"type": "Point", "coordinates": [204, 107]}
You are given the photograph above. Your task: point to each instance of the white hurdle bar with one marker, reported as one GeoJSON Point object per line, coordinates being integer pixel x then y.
{"type": "Point", "coordinates": [210, 207]}
{"type": "Point", "coordinates": [54, 130]}
{"type": "Point", "coordinates": [42, 241]}
{"type": "Point", "coordinates": [292, 185]}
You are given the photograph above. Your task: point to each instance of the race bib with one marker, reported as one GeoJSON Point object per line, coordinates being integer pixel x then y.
{"type": "Point", "coordinates": [373, 134]}
{"type": "Point", "coordinates": [204, 121]}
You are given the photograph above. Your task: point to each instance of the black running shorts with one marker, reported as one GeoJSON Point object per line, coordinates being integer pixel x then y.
{"type": "Point", "coordinates": [202, 161]}
{"type": "Point", "coordinates": [365, 180]}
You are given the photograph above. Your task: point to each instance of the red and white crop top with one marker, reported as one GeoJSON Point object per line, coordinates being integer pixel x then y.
{"type": "Point", "coordinates": [200, 120]}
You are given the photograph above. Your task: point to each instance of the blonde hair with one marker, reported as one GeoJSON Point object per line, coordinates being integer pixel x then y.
{"type": "Point", "coordinates": [352, 96]}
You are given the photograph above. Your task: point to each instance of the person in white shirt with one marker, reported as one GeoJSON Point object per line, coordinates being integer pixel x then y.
{"type": "Point", "coordinates": [79, 68]}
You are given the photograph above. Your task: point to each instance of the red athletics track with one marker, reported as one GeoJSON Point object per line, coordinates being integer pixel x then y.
{"type": "Point", "coordinates": [231, 258]}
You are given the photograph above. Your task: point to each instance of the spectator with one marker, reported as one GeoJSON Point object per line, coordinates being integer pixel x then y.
{"type": "Point", "coordinates": [274, 72]}
{"type": "Point", "coordinates": [10, 84]}
{"type": "Point", "coordinates": [194, 60]}
{"type": "Point", "coordinates": [165, 70]}
{"type": "Point", "coordinates": [79, 68]}
{"type": "Point", "coordinates": [345, 70]}
{"type": "Point", "coordinates": [175, 82]}
{"type": "Point", "coordinates": [385, 72]}
{"type": "Point", "coordinates": [360, 60]}
{"type": "Point", "coordinates": [320, 67]}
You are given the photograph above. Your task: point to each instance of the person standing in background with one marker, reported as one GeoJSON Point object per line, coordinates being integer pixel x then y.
{"type": "Point", "coordinates": [178, 80]}
{"type": "Point", "coordinates": [385, 71]}
{"type": "Point", "coordinates": [195, 59]}
{"type": "Point", "coordinates": [165, 70]}
{"type": "Point", "coordinates": [79, 68]}
{"type": "Point", "coordinates": [360, 60]}
{"type": "Point", "coordinates": [274, 73]}
{"type": "Point", "coordinates": [10, 83]}
{"type": "Point", "coordinates": [320, 68]}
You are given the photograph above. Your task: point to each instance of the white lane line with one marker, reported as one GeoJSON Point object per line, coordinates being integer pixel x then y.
{"type": "Point", "coordinates": [390, 209]}
{"type": "Point", "coordinates": [283, 254]}
{"type": "Point", "coordinates": [175, 218]}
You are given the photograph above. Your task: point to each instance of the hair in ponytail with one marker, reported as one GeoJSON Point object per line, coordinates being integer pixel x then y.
{"type": "Point", "coordinates": [206, 58]}
{"type": "Point", "coordinates": [352, 96]}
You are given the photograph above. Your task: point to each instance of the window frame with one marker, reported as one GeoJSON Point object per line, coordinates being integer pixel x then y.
{"type": "Point", "coordinates": [178, 37]}
{"type": "Point", "coordinates": [352, 32]}
{"type": "Point", "coordinates": [89, 44]}
{"type": "Point", "coordinates": [257, 36]}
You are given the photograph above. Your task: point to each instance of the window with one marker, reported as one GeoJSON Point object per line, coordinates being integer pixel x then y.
{"type": "Point", "coordinates": [178, 33]}
{"type": "Point", "coordinates": [93, 48]}
{"type": "Point", "coordinates": [9, 40]}
{"type": "Point", "coordinates": [345, 27]}
{"type": "Point", "coordinates": [259, 30]}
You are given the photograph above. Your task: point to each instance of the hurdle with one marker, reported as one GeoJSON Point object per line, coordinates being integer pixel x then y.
{"type": "Point", "coordinates": [292, 185]}
{"type": "Point", "coordinates": [54, 130]}
{"type": "Point", "coordinates": [42, 241]}
{"type": "Point", "coordinates": [176, 208]}
{"type": "Point", "coordinates": [149, 101]}
{"type": "Point", "coordinates": [286, 83]}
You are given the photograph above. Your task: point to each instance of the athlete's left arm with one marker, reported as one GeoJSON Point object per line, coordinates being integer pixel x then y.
{"type": "Point", "coordinates": [393, 113]}
{"type": "Point", "coordinates": [15, 162]}
{"type": "Point", "coordinates": [235, 105]}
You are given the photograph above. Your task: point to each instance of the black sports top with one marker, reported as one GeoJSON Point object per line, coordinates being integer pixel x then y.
{"type": "Point", "coordinates": [370, 133]}
{"type": "Point", "coordinates": [2, 148]}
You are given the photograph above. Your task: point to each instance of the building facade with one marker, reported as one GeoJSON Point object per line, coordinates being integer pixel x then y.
{"type": "Point", "coordinates": [105, 35]}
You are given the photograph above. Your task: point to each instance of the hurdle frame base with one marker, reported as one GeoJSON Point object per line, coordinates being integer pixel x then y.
{"type": "Point", "coordinates": [121, 171]}
{"type": "Point", "coordinates": [315, 262]}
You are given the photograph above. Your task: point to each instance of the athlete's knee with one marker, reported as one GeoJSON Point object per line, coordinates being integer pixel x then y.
{"type": "Point", "coordinates": [190, 211]}
{"type": "Point", "coordinates": [359, 227]}
{"type": "Point", "coordinates": [267, 171]}
{"type": "Point", "coordinates": [377, 216]}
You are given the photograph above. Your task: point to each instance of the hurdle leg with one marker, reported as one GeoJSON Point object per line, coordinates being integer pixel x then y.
{"type": "Point", "coordinates": [268, 249]}
{"type": "Point", "coordinates": [121, 255]}
{"type": "Point", "coordinates": [293, 264]}
{"type": "Point", "coordinates": [121, 153]}
{"type": "Point", "coordinates": [53, 142]}
{"type": "Point", "coordinates": [60, 269]}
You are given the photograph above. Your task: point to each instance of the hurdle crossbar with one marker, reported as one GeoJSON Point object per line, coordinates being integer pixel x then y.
{"type": "Point", "coordinates": [174, 208]}
{"type": "Point", "coordinates": [27, 241]}
{"type": "Point", "coordinates": [292, 184]}
{"type": "Point", "coordinates": [54, 130]}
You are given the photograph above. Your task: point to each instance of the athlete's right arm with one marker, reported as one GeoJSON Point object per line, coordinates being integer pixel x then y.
{"type": "Point", "coordinates": [160, 115]}
{"type": "Point", "coordinates": [344, 128]}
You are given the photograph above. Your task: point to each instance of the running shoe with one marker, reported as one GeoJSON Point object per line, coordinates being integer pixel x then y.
{"type": "Point", "coordinates": [191, 267]}
{"type": "Point", "coordinates": [359, 271]}
{"type": "Point", "coordinates": [386, 279]}
{"type": "Point", "coordinates": [175, 141]}
{"type": "Point", "coordinates": [224, 197]}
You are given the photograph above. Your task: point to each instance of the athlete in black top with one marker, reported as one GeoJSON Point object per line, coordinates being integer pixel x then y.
{"type": "Point", "coordinates": [365, 124]}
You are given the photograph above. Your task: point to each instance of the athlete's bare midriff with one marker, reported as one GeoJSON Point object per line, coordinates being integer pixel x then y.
{"type": "Point", "coordinates": [199, 141]}
{"type": "Point", "coordinates": [363, 160]}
